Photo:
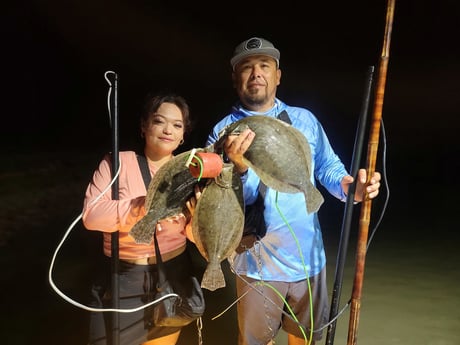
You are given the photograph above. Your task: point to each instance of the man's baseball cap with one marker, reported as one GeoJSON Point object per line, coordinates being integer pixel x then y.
{"type": "Point", "coordinates": [254, 46]}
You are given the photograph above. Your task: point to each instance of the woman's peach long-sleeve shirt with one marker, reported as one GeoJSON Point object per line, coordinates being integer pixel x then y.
{"type": "Point", "coordinates": [109, 215]}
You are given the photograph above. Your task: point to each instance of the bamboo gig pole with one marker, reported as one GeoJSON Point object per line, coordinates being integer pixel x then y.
{"type": "Point", "coordinates": [371, 161]}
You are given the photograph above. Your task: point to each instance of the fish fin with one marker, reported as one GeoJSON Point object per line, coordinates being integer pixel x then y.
{"type": "Point", "coordinates": [313, 198]}
{"type": "Point", "coordinates": [213, 277]}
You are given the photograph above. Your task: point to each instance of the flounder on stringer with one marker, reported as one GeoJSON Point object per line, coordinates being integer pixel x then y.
{"type": "Point", "coordinates": [168, 191]}
{"type": "Point", "coordinates": [279, 154]}
{"type": "Point", "coordinates": [217, 223]}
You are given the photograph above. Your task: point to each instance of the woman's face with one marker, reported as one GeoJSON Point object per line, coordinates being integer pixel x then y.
{"type": "Point", "coordinates": [165, 130]}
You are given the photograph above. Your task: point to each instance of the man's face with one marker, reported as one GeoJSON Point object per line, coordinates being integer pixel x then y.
{"type": "Point", "coordinates": [255, 79]}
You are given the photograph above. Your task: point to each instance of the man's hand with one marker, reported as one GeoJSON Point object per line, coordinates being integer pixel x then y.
{"type": "Point", "coordinates": [236, 145]}
{"type": "Point", "coordinates": [371, 189]}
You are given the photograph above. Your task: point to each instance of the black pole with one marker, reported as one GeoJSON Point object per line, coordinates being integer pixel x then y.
{"type": "Point", "coordinates": [346, 224]}
{"type": "Point", "coordinates": [115, 235]}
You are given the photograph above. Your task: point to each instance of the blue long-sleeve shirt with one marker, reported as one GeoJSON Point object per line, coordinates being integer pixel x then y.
{"type": "Point", "coordinates": [294, 250]}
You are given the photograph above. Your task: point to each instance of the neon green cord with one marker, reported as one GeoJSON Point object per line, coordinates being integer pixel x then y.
{"type": "Point", "coordinates": [305, 268]}
{"type": "Point", "coordinates": [200, 162]}
{"type": "Point", "coordinates": [285, 303]}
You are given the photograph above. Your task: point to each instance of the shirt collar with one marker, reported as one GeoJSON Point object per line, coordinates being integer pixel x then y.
{"type": "Point", "coordinates": [274, 111]}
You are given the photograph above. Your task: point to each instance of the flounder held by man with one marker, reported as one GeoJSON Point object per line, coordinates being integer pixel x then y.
{"type": "Point", "coordinates": [217, 223]}
{"type": "Point", "coordinates": [279, 154]}
{"type": "Point", "coordinates": [168, 191]}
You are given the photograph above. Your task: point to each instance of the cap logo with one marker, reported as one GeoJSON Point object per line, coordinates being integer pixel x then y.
{"type": "Point", "coordinates": [253, 43]}
{"type": "Point", "coordinates": [254, 46]}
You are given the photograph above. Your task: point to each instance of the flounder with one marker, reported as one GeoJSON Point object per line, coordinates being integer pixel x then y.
{"type": "Point", "coordinates": [168, 191]}
{"type": "Point", "coordinates": [217, 223]}
{"type": "Point", "coordinates": [279, 154]}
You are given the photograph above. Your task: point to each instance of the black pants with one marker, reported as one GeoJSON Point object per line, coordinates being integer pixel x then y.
{"type": "Point", "coordinates": [137, 286]}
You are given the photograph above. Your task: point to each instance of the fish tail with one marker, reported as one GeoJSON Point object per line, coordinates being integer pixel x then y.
{"type": "Point", "coordinates": [142, 231]}
{"type": "Point", "coordinates": [213, 277]}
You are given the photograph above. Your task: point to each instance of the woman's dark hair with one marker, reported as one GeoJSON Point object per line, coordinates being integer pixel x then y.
{"type": "Point", "coordinates": [154, 101]}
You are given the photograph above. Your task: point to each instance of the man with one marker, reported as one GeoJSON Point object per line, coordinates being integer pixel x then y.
{"type": "Point", "coordinates": [286, 269]}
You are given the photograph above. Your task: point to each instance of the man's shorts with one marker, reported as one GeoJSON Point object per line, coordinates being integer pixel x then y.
{"type": "Point", "coordinates": [261, 314]}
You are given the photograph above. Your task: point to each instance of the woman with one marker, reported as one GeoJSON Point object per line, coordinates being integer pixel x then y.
{"type": "Point", "coordinates": [165, 121]}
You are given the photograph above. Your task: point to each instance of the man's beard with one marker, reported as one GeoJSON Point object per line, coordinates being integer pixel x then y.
{"type": "Point", "coordinates": [254, 100]}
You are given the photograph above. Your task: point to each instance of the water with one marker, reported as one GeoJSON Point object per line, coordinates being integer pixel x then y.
{"type": "Point", "coordinates": [410, 292]}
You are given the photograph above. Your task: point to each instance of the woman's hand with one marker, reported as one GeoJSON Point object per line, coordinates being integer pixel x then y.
{"type": "Point", "coordinates": [191, 203]}
{"type": "Point", "coordinates": [177, 218]}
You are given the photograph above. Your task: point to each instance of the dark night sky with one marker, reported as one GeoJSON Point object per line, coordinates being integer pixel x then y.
{"type": "Point", "coordinates": [56, 53]}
